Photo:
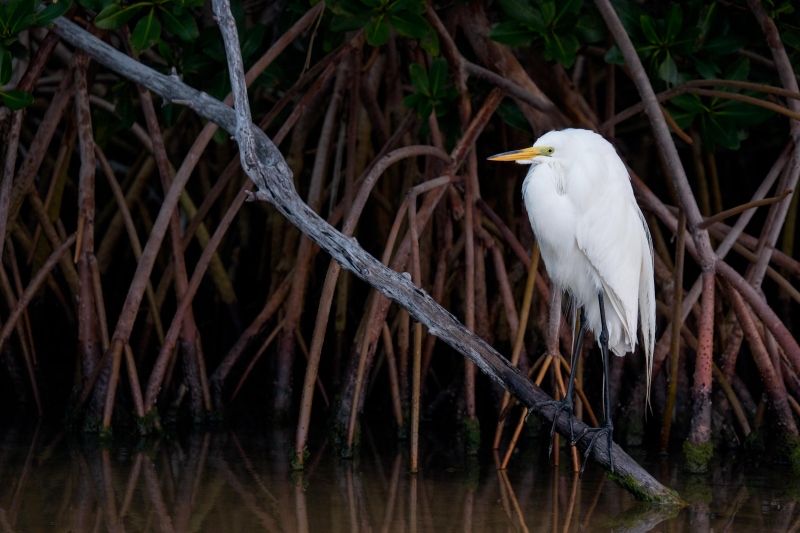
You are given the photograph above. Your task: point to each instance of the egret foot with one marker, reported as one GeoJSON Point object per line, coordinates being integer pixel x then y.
{"type": "Point", "coordinates": [559, 406]}
{"type": "Point", "coordinates": [608, 429]}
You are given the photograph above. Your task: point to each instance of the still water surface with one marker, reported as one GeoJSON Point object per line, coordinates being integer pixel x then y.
{"type": "Point", "coordinates": [241, 482]}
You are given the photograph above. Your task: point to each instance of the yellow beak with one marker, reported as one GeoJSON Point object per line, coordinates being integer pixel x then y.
{"type": "Point", "coordinates": [519, 155]}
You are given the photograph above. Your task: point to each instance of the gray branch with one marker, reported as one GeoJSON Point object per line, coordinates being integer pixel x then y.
{"type": "Point", "coordinates": [265, 165]}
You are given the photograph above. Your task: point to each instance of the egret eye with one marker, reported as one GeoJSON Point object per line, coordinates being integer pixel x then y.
{"type": "Point", "coordinates": [549, 150]}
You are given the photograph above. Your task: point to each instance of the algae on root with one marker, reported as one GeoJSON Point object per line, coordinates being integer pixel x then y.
{"type": "Point", "coordinates": [789, 449]}
{"type": "Point", "coordinates": [105, 434]}
{"type": "Point", "coordinates": [148, 424]}
{"type": "Point", "coordinates": [754, 444]}
{"type": "Point", "coordinates": [92, 424]}
{"type": "Point", "coordinates": [472, 436]}
{"type": "Point", "coordinates": [298, 460]}
{"type": "Point", "coordinates": [402, 433]}
{"type": "Point", "coordinates": [339, 435]}
{"type": "Point", "coordinates": [632, 485]}
{"type": "Point", "coordinates": [697, 456]}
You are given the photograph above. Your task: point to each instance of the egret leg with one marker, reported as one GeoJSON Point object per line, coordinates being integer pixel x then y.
{"type": "Point", "coordinates": [608, 427]}
{"type": "Point", "coordinates": [566, 403]}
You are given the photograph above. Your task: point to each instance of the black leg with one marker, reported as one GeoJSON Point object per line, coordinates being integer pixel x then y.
{"type": "Point", "coordinates": [608, 427]}
{"type": "Point", "coordinates": [566, 403]}
{"type": "Point", "coordinates": [576, 351]}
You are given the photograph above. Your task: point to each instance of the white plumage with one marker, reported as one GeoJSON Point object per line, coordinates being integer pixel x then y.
{"type": "Point", "coordinates": [591, 233]}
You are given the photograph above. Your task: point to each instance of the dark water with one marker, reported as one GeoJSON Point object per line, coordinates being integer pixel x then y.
{"type": "Point", "coordinates": [241, 482]}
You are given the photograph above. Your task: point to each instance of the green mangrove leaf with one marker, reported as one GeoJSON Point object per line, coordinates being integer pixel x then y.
{"type": "Point", "coordinates": [668, 70]}
{"type": "Point", "coordinates": [5, 67]}
{"type": "Point", "coordinates": [146, 32]}
{"type": "Point", "coordinates": [512, 115]}
{"type": "Point", "coordinates": [46, 16]}
{"type": "Point", "coordinates": [430, 42]}
{"type": "Point", "coordinates": [17, 99]}
{"type": "Point", "coordinates": [724, 45]}
{"type": "Point", "coordinates": [182, 26]}
{"type": "Point", "coordinates": [409, 24]}
{"type": "Point", "coordinates": [522, 12]}
{"type": "Point", "coordinates": [419, 79]}
{"type": "Point", "coordinates": [648, 25]}
{"type": "Point", "coordinates": [438, 76]}
{"type": "Point", "coordinates": [562, 48]}
{"type": "Point", "coordinates": [511, 33]}
{"type": "Point", "coordinates": [113, 16]}
{"type": "Point", "coordinates": [674, 22]}
{"type": "Point", "coordinates": [614, 56]}
{"type": "Point", "coordinates": [252, 39]}
{"type": "Point", "coordinates": [343, 23]}
{"type": "Point", "coordinates": [708, 69]}
{"type": "Point", "coordinates": [377, 31]}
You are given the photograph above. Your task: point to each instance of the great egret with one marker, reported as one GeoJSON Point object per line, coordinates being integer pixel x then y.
{"type": "Point", "coordinates": [596, 246]}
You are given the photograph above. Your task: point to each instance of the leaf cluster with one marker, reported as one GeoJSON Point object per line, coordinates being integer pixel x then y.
{"type": "Point", "coordinates": [559, 28]}
{"type": "Point", "coordinates": [676, 41]}
{"type": "Point", "coordinates": [688, 41]}
{"type": "Point", "coordinates": [378, 17]}
{"type": "Point", "coordinates": [786, 15]}
{"type": "Point", "coordinates": [694, 40]}
{"type": "Point", "coordinates": [199, 57]}
{"type": "Point", "coordinates": [16, 16]}
{"type": "Point", "coordinates": [431, 92]}
{"type": "Point", "coordinates": [174, 16]}
{"type": "Point", "coordinates": [203, 60]}
{"type": "Point", "coordinates": [719, 121]}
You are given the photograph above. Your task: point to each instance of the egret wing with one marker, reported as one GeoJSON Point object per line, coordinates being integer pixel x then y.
{"type": "Point", "coordinates": [610, 233]}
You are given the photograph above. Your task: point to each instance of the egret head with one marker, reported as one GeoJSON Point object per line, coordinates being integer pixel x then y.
{"type": "Point", "coordinates": [527, 156]}
{"type": "Point", "coordinates": [555, 147]}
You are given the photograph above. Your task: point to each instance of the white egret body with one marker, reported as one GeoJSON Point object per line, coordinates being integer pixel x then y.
{"type": "Point", "coordinates": [592, 235]}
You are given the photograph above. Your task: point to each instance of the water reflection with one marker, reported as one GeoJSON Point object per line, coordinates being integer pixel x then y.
{"type": "Point", "coordinates": [229, 482]}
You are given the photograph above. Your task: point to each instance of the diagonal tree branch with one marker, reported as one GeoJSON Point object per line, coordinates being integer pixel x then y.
{"type": "Point", "coordinates": [266, 167]}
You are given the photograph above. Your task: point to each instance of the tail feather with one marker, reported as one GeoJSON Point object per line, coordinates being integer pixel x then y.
{"type": "Point", "coordinates": [647, 306]}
